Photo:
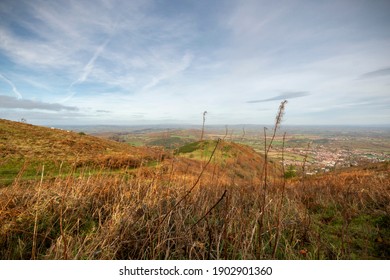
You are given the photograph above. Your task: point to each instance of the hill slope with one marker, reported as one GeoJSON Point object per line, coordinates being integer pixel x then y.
{"type": "Point", "coordinates": [22, 143]}
{"type": "Point", "coordinates": [241, 163]}
{"type": "Point", "coordinates": [27, 147]}
{"type": "Point", "coordinates": [30, 141]}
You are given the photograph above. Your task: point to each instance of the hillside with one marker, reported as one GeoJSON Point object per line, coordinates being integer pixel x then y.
{"type": "Point", "coordinates": [27, 147]}
{"type": "Point", "coordinates": [170, 139]}
{"type": "Point", "coordinates": [32, 146]}
{"type": "Point", "coordinates": [241, 163]}
{"type": "Point", "coordinates": [29, 141]}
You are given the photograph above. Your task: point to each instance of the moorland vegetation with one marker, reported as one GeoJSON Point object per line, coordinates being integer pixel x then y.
{"type": "Point", "coordinates": [65, 195]}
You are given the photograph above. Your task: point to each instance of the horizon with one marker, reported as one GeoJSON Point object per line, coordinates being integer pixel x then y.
{"type": "Point", "coordinates": [229, 125]}
{"type": "Point", "coordinates": [207, 125]}
{"type": "Point", "coordinates": [161, 63]}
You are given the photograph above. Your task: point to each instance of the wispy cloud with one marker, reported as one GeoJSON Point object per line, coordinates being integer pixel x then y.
{"type": "Point", "coordinates": [169, 71]}
{"type": "Point", "coordinates": [376, 73]}
{"type": "Point", "coordinates": [87, 69]}
{"type": "Point", "coordinates": [89, 66]}
{"type": "Point", "coordinates": [10, 102]}
{"type": "Point", "coordinates": [34, 53]}
{"type": "Point", "coordinates": [14, 89]}
{"type": "Point", "coordinates": [285, 95]}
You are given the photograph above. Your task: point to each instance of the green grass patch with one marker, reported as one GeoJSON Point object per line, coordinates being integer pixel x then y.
{"type": "Point", "coordinates": [203, 150]}
{"type": "Point", "coordinates": [189, 148]}
{"type": "Point", "coordinates": [363, 236]}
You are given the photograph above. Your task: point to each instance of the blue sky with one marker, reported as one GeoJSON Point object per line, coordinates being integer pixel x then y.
{"type": "Point", "coordinates": [156, 62]}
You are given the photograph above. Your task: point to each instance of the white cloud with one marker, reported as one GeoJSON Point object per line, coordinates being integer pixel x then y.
{"type": "Point", "coordinates": [169, 70]}
{"type": "Point", "coordinates": [33, 53]}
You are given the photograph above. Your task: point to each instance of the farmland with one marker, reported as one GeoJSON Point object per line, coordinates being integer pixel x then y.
{"type": "Point", "coordinates": [323, 148]}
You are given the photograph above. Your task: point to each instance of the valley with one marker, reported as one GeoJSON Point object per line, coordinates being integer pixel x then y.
{"type": "Point", "coordinates": [325, 148]}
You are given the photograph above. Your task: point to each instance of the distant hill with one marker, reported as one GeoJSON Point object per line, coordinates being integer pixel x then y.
{"type": "Point", "coordinates": [241, 163]}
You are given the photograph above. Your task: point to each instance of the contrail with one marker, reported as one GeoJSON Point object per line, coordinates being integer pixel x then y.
{"type": "Point", "coordinates": [87, 69]}
{"type": "Point", "coordinates": [89, 66]}
{"type": "Point", "coordinates": [14, 89]}
{"type": "Point", "coordinates": [170, 72]}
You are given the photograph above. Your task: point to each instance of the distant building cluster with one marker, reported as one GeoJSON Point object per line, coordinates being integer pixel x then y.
{"type": "Point", "coordinates": [322, 159]}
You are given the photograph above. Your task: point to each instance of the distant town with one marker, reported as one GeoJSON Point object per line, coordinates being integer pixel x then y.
{"type": "Point", "coordinates": [323, 159]}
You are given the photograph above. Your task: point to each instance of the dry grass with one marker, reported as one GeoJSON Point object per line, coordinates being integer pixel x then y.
{"type": "Point", "coordinates": [117, 206]}
{"type": "Point", "coordinates": [137, 216]}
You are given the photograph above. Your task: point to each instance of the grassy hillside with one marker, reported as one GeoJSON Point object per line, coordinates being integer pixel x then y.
{"type": "Point", "coordinates": [240, 162]}
{"type": "Point", "coordinates": [212, 200]}
{"type": "Point", "coordinates": [28, 147]}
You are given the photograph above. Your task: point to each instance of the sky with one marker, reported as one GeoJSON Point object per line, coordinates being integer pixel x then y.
{"type": "Point", "coordinates": [166, 62]}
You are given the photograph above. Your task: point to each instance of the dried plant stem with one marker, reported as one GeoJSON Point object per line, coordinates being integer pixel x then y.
{"type": "Point", "coordinates": [193, 186]}
{"type": "Point", "coordinates": [204, 120]}
{"type": "Point", "coordinates": [243, 134]}
{"type": "Point", "coordinates": [231, 135]}
{"type": "Point", "coordinates": [280, 206]}
{"type": "Point", "coordinates": [219, 200]}
{"type": "Point", "coordinates": [304, 167]}
{"type": "Point", "coordinates": [267, 148]}
{"type": "Point", "coordinates": [226, 132]}
{"type": "Point", "coordinates": [34, 245]}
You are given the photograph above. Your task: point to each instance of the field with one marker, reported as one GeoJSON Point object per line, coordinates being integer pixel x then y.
{"type": "Point", "coordinates": [213, 199]}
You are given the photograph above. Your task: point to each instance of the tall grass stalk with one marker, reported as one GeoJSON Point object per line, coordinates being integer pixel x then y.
{"type": "Point", "coordinates": [280, 204]}
{"type": "Point", "coordinates": [204, 120]}
{"type": "Point", "coordinates": [34, 243]}
{"type": "Point", "coordinates": [267, 148]}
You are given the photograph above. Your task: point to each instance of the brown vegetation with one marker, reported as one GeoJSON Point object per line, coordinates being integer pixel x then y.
{"type": "Point", "coordinates": [172, 207]}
